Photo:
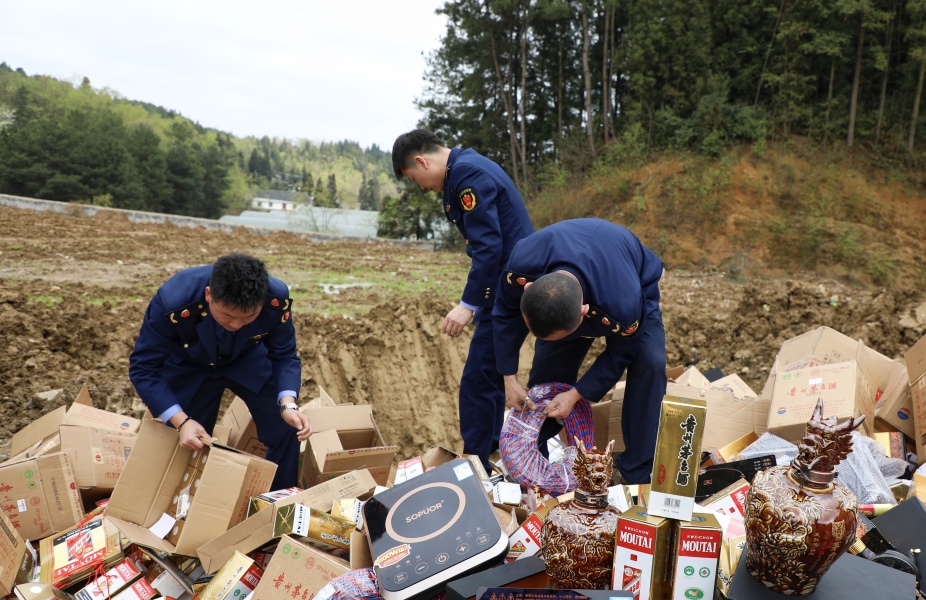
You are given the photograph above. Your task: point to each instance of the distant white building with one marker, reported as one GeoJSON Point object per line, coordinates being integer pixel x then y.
{"type": "Point", "coordinates": [272, 204]}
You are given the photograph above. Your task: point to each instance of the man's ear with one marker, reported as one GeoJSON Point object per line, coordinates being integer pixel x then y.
{"type": "Point", "coordinates": [422, 161]}
{"type": "Point", "coordinates": [208, 295]}
{"type": "Point", "coordinates": [528, 284]}
{"type": "Point", "coordinates": [584, 310]}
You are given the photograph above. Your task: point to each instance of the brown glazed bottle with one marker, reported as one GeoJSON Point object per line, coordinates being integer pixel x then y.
{"type": "Point", "coordinates": [577, 536]}
{"type": "Point", "coordinates": [798, 519]}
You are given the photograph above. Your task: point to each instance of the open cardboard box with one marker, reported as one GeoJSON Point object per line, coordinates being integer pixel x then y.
{"type": "Point", "coordinates": [151, 477]}
{"type": "Point", "coordinates": [257, 530]}
{"type": "Point", "coordinates": [40, 435]}
{"type": "Point", "coordinates": [39, 495]}
{"type": "Point", "coordinates": [346, 439]}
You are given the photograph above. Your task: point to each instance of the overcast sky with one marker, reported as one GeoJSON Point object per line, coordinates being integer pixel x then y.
{"type": "Point", "coordinates": [324, 70]}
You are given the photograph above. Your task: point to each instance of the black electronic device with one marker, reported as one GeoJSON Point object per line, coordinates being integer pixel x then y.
{"type": "Point", "coordinates": [432, 529]}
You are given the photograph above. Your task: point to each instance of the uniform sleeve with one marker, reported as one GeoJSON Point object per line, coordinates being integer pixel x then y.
{"type": "Point", "coordinates": [483, 230]}
{"type": "Point", "coordinates": [510, 331]}
{"type": "Point", "coordinates": [281, 350]}
{"type": "Point", "coordinates": [156, 341]}
{"type": "Point", "coordinates": [606, 371]}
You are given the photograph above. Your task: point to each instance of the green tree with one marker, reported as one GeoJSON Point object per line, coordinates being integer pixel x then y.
{"type": "Point", "coordinates": [414, 214]}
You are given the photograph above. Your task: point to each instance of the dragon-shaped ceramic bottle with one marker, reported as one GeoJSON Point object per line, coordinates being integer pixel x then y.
{"type": "Point", "coordinates": [799, 520]}
{"type": "Point", "coordinates": [578, 535]}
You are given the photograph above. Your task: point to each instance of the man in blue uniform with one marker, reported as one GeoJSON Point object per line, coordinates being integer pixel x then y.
{"type": "Point", "coordinates": [572, 282]}
{"type": "Point", "coordinates": [484, 204]}
{"type": "Point", "coordinates": [216, 327]}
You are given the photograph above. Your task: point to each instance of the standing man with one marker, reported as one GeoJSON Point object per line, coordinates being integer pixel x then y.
{"type": "Point", "coordinates": [482, 201]}
{"type": "Point", "coordinates": [572, 282]}
{"type": "Point", "coordinates": [217, 327]}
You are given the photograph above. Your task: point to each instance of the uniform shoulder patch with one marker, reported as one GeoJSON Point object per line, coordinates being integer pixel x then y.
{"type": "Point", "coordinates": [278, 303]}
{"type": "Point", "coordinates": [518, 279]}
{"type": "Point", "coordinates": [468, 199]}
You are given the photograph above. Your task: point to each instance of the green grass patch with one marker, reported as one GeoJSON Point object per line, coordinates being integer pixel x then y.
{"type": "Point", "coordinates": [47, 299]}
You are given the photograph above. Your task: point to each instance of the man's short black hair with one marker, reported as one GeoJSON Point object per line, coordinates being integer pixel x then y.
{"type": "Point", "coordinates": [407, 145]}
{"type": "Point", "coordinates": [552, 303]}
{"type": "Point", "coordinates": [239, 281]}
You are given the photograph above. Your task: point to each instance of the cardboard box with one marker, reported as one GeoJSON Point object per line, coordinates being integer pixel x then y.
{"type": "Point", "coordinates": [39, 495]}
{"type": "Point", "coordinates": [297, 569]}
{"type": "Point", "coordinates": [842, 386]}
{"type": "Point", "coordinates": [729, 452]}
{"type": "Point", "coordinates": [16, 560]}
{"type": "Point", "coordinates": [918, 395]}
{"type": "Point", "coordinates": [97, 455]}
{"type": "Point", "coordinates": [641, 555]}
{"type": "Point", "coordinates": [730, 418]}
{"type": "Point", "coordinates": [242, 430]}
{"type": "Point", "coordinates": [890, 385]}
{"type": "Point", "coordinates": [915, 360]}
{"type": "Point", "coordinates": [257, 530]}
{"type": "Point", "coordinates": [346, 439]}
{"type": "Point", "coordinates": [696, 549]}
{"type": "Point", "coordinates": [674, 479]}
{"type": "Point", "coordinates": [313, 526]}
{"type": "Point", "coordinates": [152, 475]}
{"type": "Point", "coordinates": [601, 421]}
{"type": "Point", "coordinates": [731, 550]}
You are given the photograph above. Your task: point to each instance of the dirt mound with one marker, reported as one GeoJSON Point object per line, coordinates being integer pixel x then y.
{"type": "Point", "coordinates": [73, 291]}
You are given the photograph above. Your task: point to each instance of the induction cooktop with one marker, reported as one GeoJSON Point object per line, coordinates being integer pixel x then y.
{"type": "Point", "coordinates": [432, 529]}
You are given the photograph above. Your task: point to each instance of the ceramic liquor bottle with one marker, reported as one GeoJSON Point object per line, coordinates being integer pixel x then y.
{"type": "Point", "coordinates": [799, 520]}
{"type": "Point", "coordinates": [578, 535]}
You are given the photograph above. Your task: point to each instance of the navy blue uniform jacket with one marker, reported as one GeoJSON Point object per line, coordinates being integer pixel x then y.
{"type": "Point", "coordinates": [481, 200]}
{"type": "Point", "coordinates": [176, 348]}
{"type": "Point", "coordinates": [620, 283]}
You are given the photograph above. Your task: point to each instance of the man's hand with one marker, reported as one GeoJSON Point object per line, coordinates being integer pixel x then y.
{"type": "Point", "coordinates": [191, 432]}
{"type": "Point", "coordinates": [562, 404]}
{"type": "Point", "coordinates": [516, 395]}
{"type": "Point", "coordinates": [300, 421]}
{"type": "Point", "coordinates": [456, 320]}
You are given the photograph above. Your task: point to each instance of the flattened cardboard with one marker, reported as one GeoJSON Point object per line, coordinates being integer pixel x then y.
{"type": "Point", "coordinates": [152, 474]}
{"type": "Point", "coordinates": [257, 530]}
{"type": "Point", "coordinates": [39, 495]}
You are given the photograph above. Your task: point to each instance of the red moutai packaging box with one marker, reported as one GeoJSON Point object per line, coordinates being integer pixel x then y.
{"type": "Point", "coordinates": [675, 465]}
{"type": "Point", "coordinates": [641, 554]}
{"type": "Point", "coordinates": [695, 553]}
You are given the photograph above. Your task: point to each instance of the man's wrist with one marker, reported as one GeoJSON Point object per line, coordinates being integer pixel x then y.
{"type": "Point", "coordinates": [288, 405]}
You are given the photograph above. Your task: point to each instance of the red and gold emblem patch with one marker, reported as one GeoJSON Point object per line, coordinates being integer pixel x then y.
{"type": "Point", "coordinates": [274, 302]}
{"type": "Point", "coordinates": [632, 329]}
{"type": "Point", "coordinates": [468, 199]}
{"type": "Point", "coordinates": [185, 313]}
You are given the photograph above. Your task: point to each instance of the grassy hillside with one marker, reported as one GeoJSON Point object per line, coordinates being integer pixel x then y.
{"type": "Point", "coordinates": [788, 208]}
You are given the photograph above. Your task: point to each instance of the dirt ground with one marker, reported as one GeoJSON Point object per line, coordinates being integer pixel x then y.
{"type": "Point", "coordinates": [73, 291]}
